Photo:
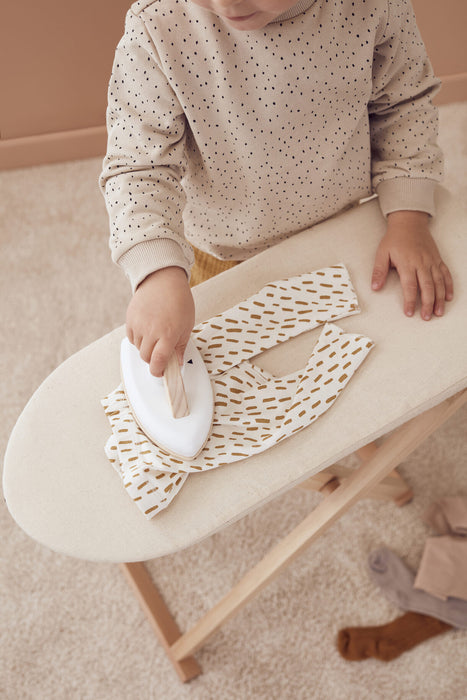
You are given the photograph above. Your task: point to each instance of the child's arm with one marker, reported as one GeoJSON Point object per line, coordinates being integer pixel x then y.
{"type": "Point", "coordinates": [145, 160]}
{"type": "Point", "coordinates": [160, 317]}
{"type": "Point", "coordinates": [409, 247]}
{"type": "Point", "coordinates": [141, 183]}
{"type": "Point", "coordinates": [407, 162]}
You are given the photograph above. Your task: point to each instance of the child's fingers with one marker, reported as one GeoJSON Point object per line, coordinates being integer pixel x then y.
{"type": "Point", "coordinates": [137, 340]}
{"type": "Point", "coordinates": [448, 281]}
{"type": "Point", "coordinates": [380, 269]}
{"type": "Point", "coordinates": [180, 350]}
{"type": "Point", "coordinates": [408, 278]}
{"type": "Point", "coordinates": [157, 352]}
{"type": "Point", "coordinates": [146, 346]}
{"type": "Point", "coordinates": [161, 353]}
{"type": "Point", "coordinates": [427, 292]}
{"type": "Point", "coordinates": [440, 291]}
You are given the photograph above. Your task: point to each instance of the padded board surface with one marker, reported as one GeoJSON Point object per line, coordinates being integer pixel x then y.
{"type": "Point", "coordinates": [63, 492]}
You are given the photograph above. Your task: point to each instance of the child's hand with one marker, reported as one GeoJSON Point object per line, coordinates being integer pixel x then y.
{"type": "Point", "coordinates": [160, 317]}
{"type": "Point", "coordinates": [409, 247]}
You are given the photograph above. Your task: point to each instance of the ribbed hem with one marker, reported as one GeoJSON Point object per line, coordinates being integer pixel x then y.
{"type": "Point", "coordinates": [149, 256]}
{"type": "Point", "coordinates": [407, 193]}
{"type": "Point", "coordinates": [298, 9]}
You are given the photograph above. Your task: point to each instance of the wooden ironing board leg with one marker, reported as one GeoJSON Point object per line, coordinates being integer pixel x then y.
{"type": "Point", "coordinates": [162, 621]}
{"type": "Point", "coordinates": [359, 484]}
{"type": "Point", "coordinates": [391, 488]}
{"type": "Point", "coordinates": [391, 453]}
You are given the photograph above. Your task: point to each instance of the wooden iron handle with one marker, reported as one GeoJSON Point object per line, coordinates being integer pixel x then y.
{"type": "Point", "coordinates": [175, 389]}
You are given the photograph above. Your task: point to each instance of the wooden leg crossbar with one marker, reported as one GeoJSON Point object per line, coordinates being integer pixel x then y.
{"type": "Point", "coordinates": [376, 476]}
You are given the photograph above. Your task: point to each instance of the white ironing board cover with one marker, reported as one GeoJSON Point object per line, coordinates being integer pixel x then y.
{"type": "Point", "coordinates": [56, 450]}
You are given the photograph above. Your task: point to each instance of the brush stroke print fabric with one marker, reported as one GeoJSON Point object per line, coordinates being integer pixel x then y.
{"type": "Point", "coordinates": [254, 410]}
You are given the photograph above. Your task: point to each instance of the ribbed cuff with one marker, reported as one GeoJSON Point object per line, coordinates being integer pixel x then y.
{"type": "Point", "coordinates": [407, 193]}
{"type": "Point", "coordinates": [149, 256]}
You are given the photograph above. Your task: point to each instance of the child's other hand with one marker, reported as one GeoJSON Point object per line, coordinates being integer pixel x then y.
{"type": "Point", "coordinates": [160, 317]}
{"type": "Point", "coordinates": [409, 247]}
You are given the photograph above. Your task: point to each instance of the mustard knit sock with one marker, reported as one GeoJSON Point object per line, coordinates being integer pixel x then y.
{"type": "Point", "coordinates": [386, 642]}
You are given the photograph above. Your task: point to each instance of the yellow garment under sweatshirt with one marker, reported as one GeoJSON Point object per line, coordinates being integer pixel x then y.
{"type": "Point", "coordinates": [235, 140]}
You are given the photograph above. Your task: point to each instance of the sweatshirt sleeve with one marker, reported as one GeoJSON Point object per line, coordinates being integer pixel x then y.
{"type": "Point", "coordinates": [145, 161]}
{"type": "Point", "coordinates": [406, 160]}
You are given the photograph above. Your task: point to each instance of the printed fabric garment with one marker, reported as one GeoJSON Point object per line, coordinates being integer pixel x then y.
{"type": "Point", "coordinates": [254, 410]}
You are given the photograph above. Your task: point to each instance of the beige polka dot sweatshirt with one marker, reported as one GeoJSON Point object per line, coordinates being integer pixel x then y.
{"type": "Point", "coordinates": [234, 140]}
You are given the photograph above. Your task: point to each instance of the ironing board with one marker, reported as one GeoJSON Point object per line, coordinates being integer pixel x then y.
{"type": "Point", "coordinates": [57, 477]}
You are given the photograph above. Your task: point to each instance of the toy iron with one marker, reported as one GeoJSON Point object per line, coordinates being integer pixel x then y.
{"type": "Point", "coordinates": [174, 411]}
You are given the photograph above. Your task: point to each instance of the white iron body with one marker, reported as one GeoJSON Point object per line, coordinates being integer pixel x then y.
{"type": "Point", "coordinates": [152, 410]}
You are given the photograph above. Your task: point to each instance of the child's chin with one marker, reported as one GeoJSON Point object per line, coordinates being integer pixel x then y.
{"type": "Point", "coordinates": [257, 21]}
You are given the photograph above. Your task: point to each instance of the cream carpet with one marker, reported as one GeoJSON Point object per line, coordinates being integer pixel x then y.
{"type": "Point", "coordinates": [72, 629]}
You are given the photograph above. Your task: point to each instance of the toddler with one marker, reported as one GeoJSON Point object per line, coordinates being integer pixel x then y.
{"type": "Point", "coordinates": [234, 124]}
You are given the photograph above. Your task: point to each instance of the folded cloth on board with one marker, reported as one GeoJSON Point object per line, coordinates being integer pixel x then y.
{"type": "Point", "coordinates": [253, 409]}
